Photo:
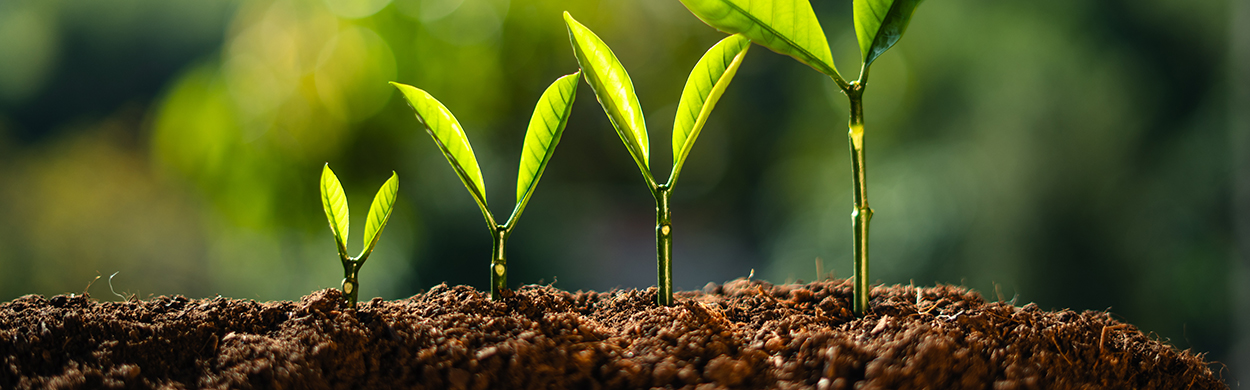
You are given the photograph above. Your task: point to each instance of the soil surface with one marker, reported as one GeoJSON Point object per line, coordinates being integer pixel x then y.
{"type": "Point", "coordinates": [743, 334]}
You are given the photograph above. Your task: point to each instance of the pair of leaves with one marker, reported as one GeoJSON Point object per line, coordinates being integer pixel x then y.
{"type": "Point", "coordinates": [790, 27]}
{"type": "Point", "coordinates": [615, 92]}
{"type": "Point", "coordinates": [334, 201]}
{"type": "Point", "coordinates": [543, 134]}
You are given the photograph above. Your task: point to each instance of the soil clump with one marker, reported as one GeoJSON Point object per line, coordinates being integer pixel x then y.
{"type": "Point", "coordinates": [742, 334]}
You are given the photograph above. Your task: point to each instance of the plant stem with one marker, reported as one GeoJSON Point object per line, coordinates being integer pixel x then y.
{"type": "Point", "coordinates": [351, 285]}
{"type": "Point", "coordinates": [498, 263]}
{"type": "Point", "coordinates": [663, 246]}
{"type": "Point", "coordinates": [862, 213]}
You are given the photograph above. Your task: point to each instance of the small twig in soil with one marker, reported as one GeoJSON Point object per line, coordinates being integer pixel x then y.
{"type": "Point", "coordinates": [123, 297]}
{"type": "Point", "coordinates": [914, 290]}
{"type": "Point", "coordinates": [1102, 339]}
{"type": "Point", "coordinates": [951, 317]}
{"type": "Point", "coordinates": [926, 311]}
{"type": "Point", "coordinates": [931, 307]}
{"type": "Point", "coordinates": [1059, 350]}
{"type": "Point", "coordinates": [85, 290]}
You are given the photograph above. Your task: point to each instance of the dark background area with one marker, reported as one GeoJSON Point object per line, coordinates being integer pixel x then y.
{"type": "Point", "coordinates": [1077, 154]}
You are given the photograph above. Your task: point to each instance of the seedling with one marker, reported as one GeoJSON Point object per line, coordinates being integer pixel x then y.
{"type": "Point", "coordinates": [542, 136]}
{"type": "Point", "coordinates": [615, 91]}
{"type": "Point", "coordinates": [790, 27]}
{"type": "Point", "coordinates": [335, 203]}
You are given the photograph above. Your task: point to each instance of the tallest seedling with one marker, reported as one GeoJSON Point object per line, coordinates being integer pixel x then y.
{"type": "Point", "coordinates": [615, 92]}
{"type": "Point", "coordinates": [790, 27]}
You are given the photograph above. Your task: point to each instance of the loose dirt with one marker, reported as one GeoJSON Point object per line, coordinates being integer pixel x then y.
{"type": "Point", "coordinates": [743, 334]}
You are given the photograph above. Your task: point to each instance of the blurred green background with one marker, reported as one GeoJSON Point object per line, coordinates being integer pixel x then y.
{"type": "Point", "coordinates": [1077, 154]}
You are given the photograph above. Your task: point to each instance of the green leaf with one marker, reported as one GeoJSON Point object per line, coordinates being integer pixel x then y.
{"type": "Point", "coordinates": [546, 126]}
{"type": "Point", "coordinates": [707, 82]}
{"type": "Point", "coordinates": [334, 201]}
{"type": "Point", "coordinates": [879, 24]}
{"type": "Point", "coordinates": [379, 214]}
{"type": "Point", "coordinates": [614, 90]}
{"type": "Point", "coordinates": [785, 26]}
{"type": "Point", "coordinates": [447, 133]}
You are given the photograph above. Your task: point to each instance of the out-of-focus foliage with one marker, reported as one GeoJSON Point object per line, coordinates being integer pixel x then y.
{"type": "Point", "coordinates": [1071, 153]}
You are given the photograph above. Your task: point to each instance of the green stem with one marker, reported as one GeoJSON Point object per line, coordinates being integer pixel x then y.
{"type": "Point", "coordinates": [663, 246]}
{"type": "Point", "coordinates": [351, 283]}
{"type": "Point", "coordinates": [862, 213]}
{"type": "Point", "coordinates": [498, 262]}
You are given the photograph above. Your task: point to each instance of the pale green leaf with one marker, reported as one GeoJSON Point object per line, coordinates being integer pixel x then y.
{"type": "Point", "coordinates": [334, 201]}
{"type": "Point", "coordinates": [614, 90]}
{"type": "Point", "coordinates": [379, 214]}
{"type": "Point", "coordinates": [707, 82]}
{"type": "Point", "coordinates": [785, 26]}
{"type": "Point", "coordinates": [447, 133]}
{"type": "Point", "coordinates": [545, 128]}
{"type": "Point", "coordinates": [879, 24]}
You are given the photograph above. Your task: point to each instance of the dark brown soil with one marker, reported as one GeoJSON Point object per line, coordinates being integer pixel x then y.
{"type": "Point", "coordinates": [744, 334]}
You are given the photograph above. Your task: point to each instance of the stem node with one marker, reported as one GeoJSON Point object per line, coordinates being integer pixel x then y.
{"type": "Point", "coordinates": [664, 246]}
{"type": "Point", "coordinates": [861, 214]}
{"type": "Point", "coordinates": [498, 263]}
{"type": "Point", "coordinates": [351, 271]}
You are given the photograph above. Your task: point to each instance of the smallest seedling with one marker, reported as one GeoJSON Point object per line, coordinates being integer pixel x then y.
{"type": "Point", "coordinates": [335, 203]}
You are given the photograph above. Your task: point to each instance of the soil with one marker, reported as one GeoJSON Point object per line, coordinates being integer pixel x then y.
{"type": "Point", "coordinates": [743, 334]}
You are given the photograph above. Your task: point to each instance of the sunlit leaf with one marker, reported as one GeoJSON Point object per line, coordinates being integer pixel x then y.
{"type": "Point", "coordinates": [447, 133]}
{"type": "Point", "coordinates": [380, 213]}
{"type": "Point", "coordinates": [334, 201]}
{"type": "Point", "coordinates": [546, 126]}
{"type": "Point", "coordinates": [613, 88]}
{"type": "Point", "coordinates": [785, 26]}
{"type": "Point", "coordinates": [880, 23]}
{"type": "Point", "coordinates": [707, 82]}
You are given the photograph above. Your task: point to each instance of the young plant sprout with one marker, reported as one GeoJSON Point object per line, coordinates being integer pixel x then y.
{"type": "Point", "coordinates": [615, 91]}
{"type": "Point", "coordinates": [542, 136]}
{"type": "Point", "coordinates": [790, 27]}
{"type": "Point", "coordinates": [335, 203]}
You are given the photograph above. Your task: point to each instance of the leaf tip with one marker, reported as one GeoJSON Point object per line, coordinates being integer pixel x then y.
{"type": "Point", "coordinates": [570, 22]}
{"type": "Point", "coordinates": [326, 172]}
{"type": "Point", "coordinates": [401, 86]}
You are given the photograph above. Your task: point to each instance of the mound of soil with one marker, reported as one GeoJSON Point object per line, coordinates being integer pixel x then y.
{"type": "Point", "coordinates": [743, 334]}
